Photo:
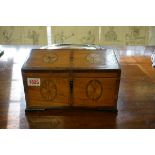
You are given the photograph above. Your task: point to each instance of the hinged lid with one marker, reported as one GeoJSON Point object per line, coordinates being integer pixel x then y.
{"type": "Point", "coordinates": [71, 60]}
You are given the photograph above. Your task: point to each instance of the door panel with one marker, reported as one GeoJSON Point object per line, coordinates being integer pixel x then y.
{"type": "Point", "coordinates": [95, 92]}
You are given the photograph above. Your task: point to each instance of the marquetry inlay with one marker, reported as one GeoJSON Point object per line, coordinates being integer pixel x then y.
{"type": "Point", "coordinates": [94, 58]}
{"type": "Point", "coordinates": [94, 89]}
{"type": "Point", "coordinates": [48, 90]}
{"type": "Point", "coordinates": [50, 58]}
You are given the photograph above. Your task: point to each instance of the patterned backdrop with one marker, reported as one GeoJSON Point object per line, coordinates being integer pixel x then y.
{"type": "Point", "coordinates": [75, 34]}
{"type": "Point", "coordinates": [103, 35]}
{"type": "Point", "coordinates": [23, 35]}
{"type": "Point", "coordinates": [135, 35]}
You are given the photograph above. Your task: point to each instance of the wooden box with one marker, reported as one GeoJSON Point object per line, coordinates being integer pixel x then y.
{"type": "Point", "coordinates": [71, 78]}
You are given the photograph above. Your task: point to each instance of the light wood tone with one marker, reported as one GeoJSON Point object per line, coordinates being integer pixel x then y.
{"type": "Point", "coordinates": [95, 92]}
{"type": "Point", "coordinates": [71, 77]}
{"type": "Point", "coordinates": [40, 58]}
{"type": "Point", "coordinates": [56, 89]}
{"type": "Point", "coordinates": [95, 59]}
{"type": "Point", "coordinates": [46, 74]}
{"type": "Point", "coordinates": [97, 75]}
{"type": "Point", "coordinates": [71, 59]}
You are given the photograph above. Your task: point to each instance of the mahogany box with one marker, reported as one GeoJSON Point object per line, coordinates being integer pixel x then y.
{"type": "Point", "coordinates": [71, 78]}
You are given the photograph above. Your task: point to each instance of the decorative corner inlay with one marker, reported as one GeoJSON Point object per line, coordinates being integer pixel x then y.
{"type": "Point", "coordinates": [50, 58]}
{"type": "Point", "coordinates": [94, 89]}
{"type": "Point", "coordinates": [48, 90]}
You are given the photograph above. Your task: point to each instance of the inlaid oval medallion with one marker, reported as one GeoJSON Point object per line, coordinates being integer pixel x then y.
{"type": "Point", "coordinates": [50, 58]}
{"type": "Point", "coordinates": [48, 90]}
{"type": "Point", "coordinates": [94, 89]}
{"type": "Point", "coordinates": [94, 58]}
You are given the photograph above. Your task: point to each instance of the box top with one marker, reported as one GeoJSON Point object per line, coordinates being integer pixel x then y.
{"type": "Point", "coordinates": [57, 60]}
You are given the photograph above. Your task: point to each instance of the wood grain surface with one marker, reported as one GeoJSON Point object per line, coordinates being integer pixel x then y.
{"type": "Point", "coordinates": [94, 84]}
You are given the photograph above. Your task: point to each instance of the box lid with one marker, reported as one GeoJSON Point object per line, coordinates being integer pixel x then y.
{"type": "Point", "coordinates": [56, 60]}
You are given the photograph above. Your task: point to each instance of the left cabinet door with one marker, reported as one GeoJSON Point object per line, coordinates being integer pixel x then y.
{"type": "Point", "coordinates": [43, 91]}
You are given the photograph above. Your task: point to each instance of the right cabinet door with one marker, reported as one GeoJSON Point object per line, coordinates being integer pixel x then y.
{"type": "Point", "coordinates": [95, 92]}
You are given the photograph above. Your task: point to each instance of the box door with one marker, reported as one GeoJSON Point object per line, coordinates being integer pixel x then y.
{"type": "Point", "coordinates": [95, 92]}
{"type": "Point", "coordinates": [51, 92]}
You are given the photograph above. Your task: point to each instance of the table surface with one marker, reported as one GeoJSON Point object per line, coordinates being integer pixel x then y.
{"type": "Point", "coordinates": [135, 104]}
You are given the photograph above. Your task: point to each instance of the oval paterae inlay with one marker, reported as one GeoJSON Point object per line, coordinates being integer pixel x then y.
{"type": "Point", "coordinates": [94, 58]}
{"type": "Point", "coordinates": [50, 58]}
{"type": "Point", "coordinates": [94, 89]}
{"type": "Point", "coordinates": [48, 90]}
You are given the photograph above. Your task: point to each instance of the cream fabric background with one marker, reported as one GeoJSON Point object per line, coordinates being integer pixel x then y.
{"type": "Point", "coordinates": [23, 35]}
{"type": "Point", "coordinates": [75, 34]}
{"type": "Point", "coordinates": [112, 35]}
{"type": "Point", "coordinates": [109, 35]}
{"type": "Point", "coordinates": [151, 39]}
{"type": "Point", "coordinates": [103, 35]}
